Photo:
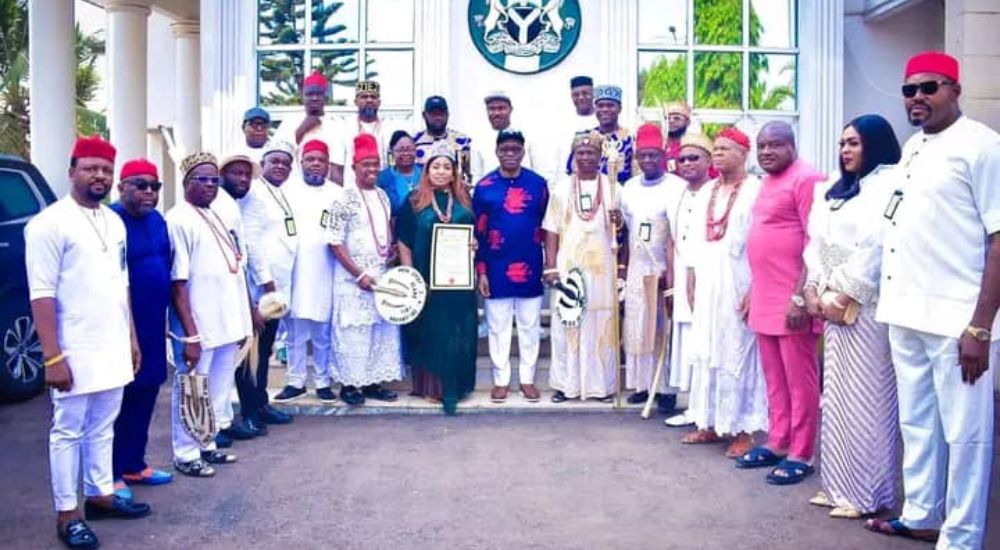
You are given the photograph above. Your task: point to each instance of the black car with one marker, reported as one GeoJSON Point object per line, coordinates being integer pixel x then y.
{"type": "Point", "coordinates": [23, 193]}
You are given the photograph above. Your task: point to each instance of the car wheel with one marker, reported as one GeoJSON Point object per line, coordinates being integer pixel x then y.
{"type": "Point", "coordinates": [22, 374]}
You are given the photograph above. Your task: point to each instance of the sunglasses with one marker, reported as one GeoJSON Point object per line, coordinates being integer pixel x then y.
{"type": "Point", "coordinates": [928, 87]}
{"type": "Point", "coordinates": [214, 180]}
{"type": "Point", "coordinates": [688, 158]}
{"type": "Point", "coordinates": [142, 185]}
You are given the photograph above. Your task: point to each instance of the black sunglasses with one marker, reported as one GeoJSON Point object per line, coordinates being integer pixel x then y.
{"type": "Point", "coordinates": [214, 180]}
{"type": "Point", "coordinates": [142, 185]}
{"type": "Point", "coordinates": [928, 87]}
{"type": "Point", "coordinates": [688, 158]}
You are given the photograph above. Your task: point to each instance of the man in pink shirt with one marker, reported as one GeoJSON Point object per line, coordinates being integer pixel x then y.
{"type": "Point", "coordinates": [786, 335]}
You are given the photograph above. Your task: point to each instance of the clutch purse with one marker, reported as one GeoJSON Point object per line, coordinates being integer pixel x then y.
{"type": "Point", "coordinates": [829, 298]}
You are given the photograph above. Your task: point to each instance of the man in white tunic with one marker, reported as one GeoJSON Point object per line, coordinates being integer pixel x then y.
{"type": "Point", "coordinates": [366, 347]}
{"type": "Point", "coordinates": [693, 164]}
{"type": "Point", "coordinates": [579, 236]}
{"type": "Point", "coordinates": [368, 100]}
{"type": "Point", "coordinates": [646, 206]}
{"type": "Point", "coordinates": [499, 109]}
{"type": "Point", "coordinates": [940, 288]}
{"type": "Point", "coordinates": [312, 277]}
{"type": "Point", "coordinates": [78, 286]}
{"type": "Point", "coordinates": [211, 301]}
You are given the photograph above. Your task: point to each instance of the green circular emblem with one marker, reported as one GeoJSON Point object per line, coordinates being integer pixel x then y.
{"type": "Point", "coordinates": [524, 36]}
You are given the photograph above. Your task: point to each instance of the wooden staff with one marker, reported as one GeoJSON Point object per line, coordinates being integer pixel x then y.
{"type": "Point", "coordinates": [658, 375]}
{"type": "Point", "coordinates": [610, 151]}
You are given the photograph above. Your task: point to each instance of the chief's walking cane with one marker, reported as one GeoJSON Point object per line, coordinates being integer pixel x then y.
{"type": "Point", "coordinates": [658, 375]}
{"type": "Point", "coordinates": [610, 152]}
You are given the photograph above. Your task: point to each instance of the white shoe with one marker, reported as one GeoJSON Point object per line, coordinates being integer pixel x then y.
{"type": "Point", "coordinates": [678, 420]}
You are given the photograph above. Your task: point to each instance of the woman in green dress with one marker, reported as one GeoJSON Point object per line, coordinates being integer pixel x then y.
{"type": "Point", "coordinates": [441, 342]}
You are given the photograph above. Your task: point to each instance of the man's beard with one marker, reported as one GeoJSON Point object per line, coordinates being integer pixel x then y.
{"type": "Point", "coordinates": [368, 112]}
{"type": "Point", "coordinates": [313, 179]}
{"type": "Point", "coordinates": [98, 197]}
{"type": "Point", "coordinates": [257, 142]}
{"type": "Point", "coordinates": [678, 133]}
{"type": "Point", "coordinates": [436, 129]}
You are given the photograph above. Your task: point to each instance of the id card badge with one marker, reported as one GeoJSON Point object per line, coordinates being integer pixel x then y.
{"type": "Point", "coordinates": [890, 209]}
{"type": "Point", "coordinates": [290, 226]}
{"type": "Point", "coordinates": [324, 220]}
{"type": "Point", "coordinates": [586, 203]}
{"type": "Point", "coordinates": [645, 231]}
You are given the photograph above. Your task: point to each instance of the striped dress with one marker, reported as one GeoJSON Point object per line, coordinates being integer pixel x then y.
{"type": "Point", "coordinates": [860, 429]}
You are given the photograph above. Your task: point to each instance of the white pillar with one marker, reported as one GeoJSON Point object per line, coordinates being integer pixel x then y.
{"type": "Point", "coordinates": [53, 97]}
{"type": "Point", "coordinates": [187, 86]}
{"type": "Point", "coordinates": [127, 45]}
{"type": "Point", "coordinates": [229, 72]}
{"type": "Point", "coordinates": [821, 83]}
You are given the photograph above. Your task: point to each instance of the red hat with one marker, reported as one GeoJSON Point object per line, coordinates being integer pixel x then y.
{"type": "Point", "coordinates": [315, 145]}
{"type": "Point", "coordinates": [138, 167]}
{"type": "Point", "coordinates": [933, 62]}
{"type": "Point", "coordinates": [93, 146]}
{"type": "Point", "coordinates": [648, 136]}
{"type": "Point", "coordinates": [735, 135]}
{"type": "Point", "coordinates": [315, 79]}
{"type": "Point", "coordinates": [365, 147]}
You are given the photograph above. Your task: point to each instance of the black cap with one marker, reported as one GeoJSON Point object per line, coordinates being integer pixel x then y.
{"type": "Point", "coordinates": [508, 135]}
{"type": "Point", "coordinates": [581, 81]}
{"type": "Point", "coordinates": [435, 102]}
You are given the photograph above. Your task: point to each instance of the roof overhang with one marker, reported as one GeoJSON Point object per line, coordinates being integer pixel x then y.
{"type": "Point", "coordinates": [181, 10]}
{"type": "Point", "coordinates": [877, 10]}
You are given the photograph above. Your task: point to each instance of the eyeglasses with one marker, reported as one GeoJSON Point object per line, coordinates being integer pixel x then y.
{"type": "Point", "coordinates": [510, 151]}
{"type": "Point", "coordinates": [142, 185]}
{"type": "Point", "coordinates": [204, 180]}
{"type": "Point", "coordinates": [927, 87]}
{"type": "Point", "coordinates": [688, 158]}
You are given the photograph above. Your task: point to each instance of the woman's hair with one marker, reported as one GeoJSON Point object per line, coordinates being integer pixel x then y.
{"type": "Point", "coordinates": [396, 136]}
{"type": "Point", "coordinates": [424, 194]}
{"type": "Point", "coordinates": [878, 146]}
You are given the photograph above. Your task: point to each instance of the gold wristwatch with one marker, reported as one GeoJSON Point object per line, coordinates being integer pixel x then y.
{"type": "Point", "coordinates": [980, 334]}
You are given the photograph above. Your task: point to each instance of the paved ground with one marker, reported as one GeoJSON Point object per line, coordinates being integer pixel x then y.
{"type": "Point", "coordinates": [476, 481]}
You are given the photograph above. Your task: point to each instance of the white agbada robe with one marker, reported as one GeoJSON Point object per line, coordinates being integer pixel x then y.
{"type": "Point", "coordinates": [647, 212]}
{"type": "Point", "coordinates": [689, 236]}
{"type": "Point", "coordinates": [583, 357]}
{"type": "Point", "coordinates": [80, 262]}
{"type": "Point", "coordinates": [728, 392]}
{"type": "Point", "coordinates": [366, 347]}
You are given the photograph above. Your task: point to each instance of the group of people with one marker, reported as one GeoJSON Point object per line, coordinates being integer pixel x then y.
{"type": "Point", "coordinates": [708, 279]}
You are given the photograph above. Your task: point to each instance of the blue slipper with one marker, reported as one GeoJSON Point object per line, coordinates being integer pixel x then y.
{"type": "Point", "coordinates": [758, 457]}
{"type": "Point", "coordinates": [149, 476]}
{"type": "Point", "coordinates": [795, 472]}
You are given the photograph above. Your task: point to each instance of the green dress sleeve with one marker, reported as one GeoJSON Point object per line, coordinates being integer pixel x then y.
{"type": "Point", "coordinates": [406, 224]}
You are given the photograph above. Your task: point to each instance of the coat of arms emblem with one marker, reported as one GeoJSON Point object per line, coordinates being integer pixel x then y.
{"type": "Point", "coordinates": [524, 36]}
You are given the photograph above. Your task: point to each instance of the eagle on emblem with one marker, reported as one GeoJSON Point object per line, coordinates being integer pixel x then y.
{"type": "Point", "coordinates": [521, 15]}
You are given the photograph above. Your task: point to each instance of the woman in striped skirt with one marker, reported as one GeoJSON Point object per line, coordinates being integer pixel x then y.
{"type": "Point", "coordinates": [858, 440]}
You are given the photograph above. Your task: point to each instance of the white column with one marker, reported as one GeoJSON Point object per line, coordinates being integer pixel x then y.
{"type": "Point", "coordinates": [127, 45]}
{"type": "Point", "coordinates": [187, 86]}
{"type": "Point", "coordinates": [53, 97]}
{"type": "Point", "coordinates": [433, 68]}
{"type": "Point", "coordinates": [971, 36]}
{"type": "Point", "coordinates": [619, 30]}
{"type": "Point", "coordinates": [229, 72]}
{"type": "Point", "coordinates": [821, 82]}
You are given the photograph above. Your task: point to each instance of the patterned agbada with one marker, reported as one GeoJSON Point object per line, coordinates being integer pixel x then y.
{"type": "Point", "coordinates": [509, 214]}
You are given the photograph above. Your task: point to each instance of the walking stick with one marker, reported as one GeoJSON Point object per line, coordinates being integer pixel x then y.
{"type": "Point", "coordinates": [647, 410]}
{"type": "Point", "coordinates": [610, 150]}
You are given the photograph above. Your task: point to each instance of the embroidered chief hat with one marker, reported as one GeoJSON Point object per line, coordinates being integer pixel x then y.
{"type": "Point", "coordinates": [677, 108]}
{"type": "Point", "coordinates": [194, 160]}
{"type": "Point", "coordinates": [607, 91]}
{"type": "Point", "coordinates": [696, 140]}
{"type": "Point", "coordinates": [279, 146]}
{"type": "Point", "coordinates": [367, 87]}
{"type": "Point", "coordinates": [588, 138]}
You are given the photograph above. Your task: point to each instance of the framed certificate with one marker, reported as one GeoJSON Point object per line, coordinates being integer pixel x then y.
{"type": "Point", "coordinates": [452, 257]}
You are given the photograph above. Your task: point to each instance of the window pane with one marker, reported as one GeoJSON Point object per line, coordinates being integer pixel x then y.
{"type": "Point", "coordinates": [281, 22]}
{"type": "Point", "coordinates": [772, 82]}
{"type": "Point", "coordinates": [662, 78]}
{"type": "Point", "coordinates": [280, 77]}
{"type": "Point", "coordinates": [663, 22]}
{"type": "Point", "coordinates": [17, 199]}
{"type": "Point", "coordinates": [718, 22]}
{"type": "Point", "coordinates": [718, 80]}
{"type": "Point", "coordinates": [772, 23]}
{"type": "Point", "coordinates": [335, 21]}
{"type": "Point", "coordinates": [393, 69]}
{"type": "Point", "coordinates": [341, 68]}
{"type": "Point", "coordinates": [398, 28]}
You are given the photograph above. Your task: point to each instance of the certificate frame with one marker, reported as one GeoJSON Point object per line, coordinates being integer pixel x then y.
{"type": "Point", "coordinates": [448, 271]}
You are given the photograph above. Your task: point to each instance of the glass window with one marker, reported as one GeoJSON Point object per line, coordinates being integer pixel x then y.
{"type": "Point", "coordinates": [662, 77]}
{"type": "Point", "coordinates": [772, 23]}
{"type": "Point", "coordinates": [718, 22]}
{"type": "Point", "coordinates": [398, 28]}
{"type": "Point", "coordinates": [663, 22]}
{"type": "Point", "coordinates": [772, 82]}
{"type": "Point", "coordinates": [340, 67]}
{"type": "Point", "coordinates": [280, 77]}
{"type": "Point", "coordinates": [281, 22]}
{"type": "Point", "coordinates": [717, 80]}
{"type": "Point", "coordinates": [335, 22]}
{"type": "Point", "coordinates": [17, 197]}
{"type": "Point", "coordinates": [393, 69]}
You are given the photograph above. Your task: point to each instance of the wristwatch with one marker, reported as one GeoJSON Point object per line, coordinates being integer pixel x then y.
{"type": "Point", "coordinates": [980, 334]}
{"type": "Point", "coordinates": [798, 300]}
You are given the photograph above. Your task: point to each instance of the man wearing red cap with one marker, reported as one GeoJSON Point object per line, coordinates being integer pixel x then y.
{"type": "Point", "coordinates": [311, 283]}
{"type": "Point", "coordinates": [313, 123]}
{"type": "Point", "coordinates": [939, 294]}
{"type": "Point", "coordinates": [367, 347]}
{"type": "Point", "coordinates": [646, 205]}
{"type": "Point", "coordinates": [148, 256]}
{"type": "Point", "coordinates": [75, 257]}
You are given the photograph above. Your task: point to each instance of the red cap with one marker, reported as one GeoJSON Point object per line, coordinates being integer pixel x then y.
{"type": "Point", "coordinates": [734, 134]}
{"type": "Point", "coordinates": [648, 136]}
{"type": "Point", "coordinates": [315, 145]}
{"type": "Point", "coordinates": [315, 79]}
{"type": "Point", "coordinates": [365, 147]}
{"type": "Point", "coordinates": [138, 167]}
{"type": "Point", "coordinates": [933, 62]}
{"type": "Point", "coordinates": [93, 146]}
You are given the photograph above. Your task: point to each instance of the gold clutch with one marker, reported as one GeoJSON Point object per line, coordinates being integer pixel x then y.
{"type": "Point", "coordinates": [851, 311]}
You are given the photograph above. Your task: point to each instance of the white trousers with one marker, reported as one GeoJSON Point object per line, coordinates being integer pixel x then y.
{"type": "Point", "coordinates": [500, 316]}
{"type": "Point", "coordinates": [82, 429]}
{"type": "Point", "coordinates": [300, 333]}
{"type": "Point", "coordinates": [219, 364]}
{"type": "Point", "coordinates": [947, 429]}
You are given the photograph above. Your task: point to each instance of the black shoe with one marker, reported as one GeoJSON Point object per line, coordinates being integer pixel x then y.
{"type": "Point", "coordinates": [326, 394]}
{"type": "Point", "coordinates": [256, 426]}
{"type": "Point", "coordinates": [217, 457]}
{"type": "Point", "coordinates": [638, 397]}
{"type": "Point", "coordinates": [559, 397]}
{"type": "Point", "coordinates": [238, 432]}
{"type": "Point", "coordinates": [666, 403]}
{"type": "Point", "coordinates": [378, 393]}
{"type": "Point", "coordinates": [223, 441]}
{"type": "Point", "coordinates": [78, 536]}
{"type": "Point", "coordinates": [270, 415]}
{"type": "Point", "coordinates": [351, 396]}
{"type": "Point", "coordinates": [121, 508]}
{"type": "Point", "coordinates": [289, 393]}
